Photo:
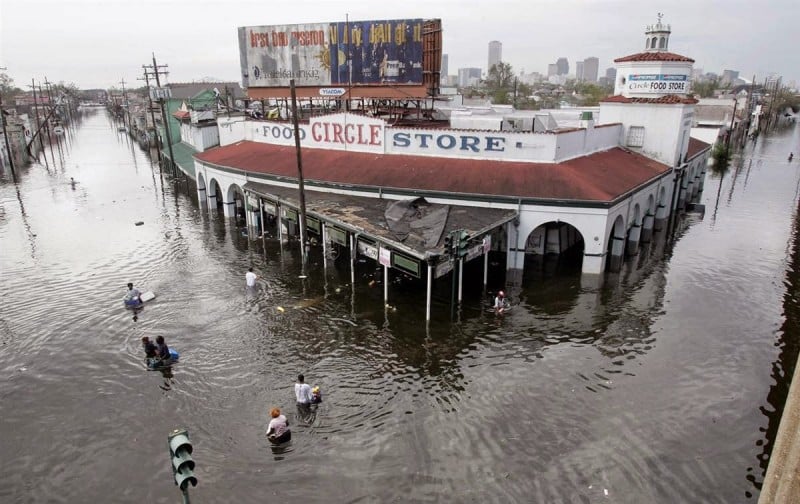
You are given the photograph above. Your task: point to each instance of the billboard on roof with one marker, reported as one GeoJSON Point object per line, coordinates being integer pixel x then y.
{"type": "Point", "coordinates": [388, 52]}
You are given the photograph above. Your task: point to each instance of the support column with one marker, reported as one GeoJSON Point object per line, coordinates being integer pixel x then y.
{"type": "Point", "coordinates": [515, 256]}
{"type": "Point", "coordinates": [229, 209]}
{"type": "Point", "coordinates": [593, 264]}
{"type": "Point", "coordinates": [385, 285]}
{"type": "Point", "coordinates": [428, 297]}
{"type": "Point", "coordinates": [460, 279]}
{"type": "Point", "coordinates": [617, 253]}
{"type": "Point", "coordinates": [263, 222]}
{"type": "Point", "coordinates": [661, 218]}
{"type": "Point", "coordinates": [324, 248]}
{"type": "Point", "coordinates": [202, 197]}
{"type": "Point", "coordinates": [485, 268]}
{"type": "Point", "coordinates": [352, 260]}
{"type": "Point", "coordinates": [279, 223]}
{"type": "Point", "coordinates": [647, 228]}
{"type": "Point", "coordinates": [689, 191]}
{"type": "Point", "coordinates": [632, 244]}
{"type": "Point", "coordinates": [681, 205]}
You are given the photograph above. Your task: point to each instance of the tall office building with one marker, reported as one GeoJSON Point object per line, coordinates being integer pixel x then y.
{"type": "Point", "coordinates": [468, 76]}
{"type": "Point", "coordinates": [579, 70]}
{"type": "Point", "coordinates": [590, 69]}
{"type": "Point", "coordinates": [611, 74]}
{"type": "Point", "coordinates": [495, 53]}
{"type": "Point", "coordinates": [443, 71]}
{"type": "Point", "coordinates": [563, 66]}
{"type": "Point", "coordinates": [728, 76]}
{"type": "Point", "coordinates": [552, 69]}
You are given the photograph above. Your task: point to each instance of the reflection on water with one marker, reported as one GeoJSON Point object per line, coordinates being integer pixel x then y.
{"type": "Point", "coordinates": [659, 384]}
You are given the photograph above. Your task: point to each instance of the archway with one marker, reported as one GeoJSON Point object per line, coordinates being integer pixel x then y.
{"type": "Point", "coordinates": [616, 245]}
{"type": "Point", "coordinates": [554, 246]}
{"type": "Point", "coordinates": [234, 203]}
{"type": "Point", "coordinates": [215, 195]}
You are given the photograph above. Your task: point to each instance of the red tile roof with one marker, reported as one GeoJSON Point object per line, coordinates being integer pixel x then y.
{"type": "Point", "coordinates": [602, 176]}
{"type": "Point", "coordinates": [654, 56]}
{"type": "Point", "coordinates": [182, 114]}
{"type": "Point", "coordinates": [696, 147]}
{"type": "Point", "coordinates": [669, 99]}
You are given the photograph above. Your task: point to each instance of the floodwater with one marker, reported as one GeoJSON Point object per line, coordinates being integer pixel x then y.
{"type": "Point", "coordinates": [662, 384]}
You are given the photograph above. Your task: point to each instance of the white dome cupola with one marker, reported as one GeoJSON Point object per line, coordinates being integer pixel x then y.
{"type": "Point", "coordinates": [657, 36]}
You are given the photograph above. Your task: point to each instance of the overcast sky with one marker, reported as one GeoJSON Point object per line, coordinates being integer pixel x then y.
{"type": "Point", "coordinates": [97, 43]}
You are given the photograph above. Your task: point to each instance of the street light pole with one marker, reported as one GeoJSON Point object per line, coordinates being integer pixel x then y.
{"type": "Point", "coordinates": [299, 173]}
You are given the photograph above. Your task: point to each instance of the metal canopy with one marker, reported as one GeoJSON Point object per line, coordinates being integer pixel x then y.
{"type": "Point", "coordinates": [410, 226]}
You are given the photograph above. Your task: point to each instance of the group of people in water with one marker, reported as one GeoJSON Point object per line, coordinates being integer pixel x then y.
{"type": "Point", "coordinates": [278, 431]}
{"type": "Point", "coordinates": [156, 354]}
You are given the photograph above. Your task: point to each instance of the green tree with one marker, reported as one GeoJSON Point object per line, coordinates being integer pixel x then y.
{"type": "Point", "coordinates": [499, 83]}
{"type": "Point", "coordinates": [7, 88]}
{"type": "Point", "coordinates": [592, 93]}
{"type": "Point", "coordinates": [706, 88]}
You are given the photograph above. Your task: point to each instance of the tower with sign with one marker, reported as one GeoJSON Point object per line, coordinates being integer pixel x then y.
{"type": "Point", "coordinates": [652, 98]}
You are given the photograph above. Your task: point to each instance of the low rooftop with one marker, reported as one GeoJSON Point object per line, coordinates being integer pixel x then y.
{"type": "Point", "coordinates": [599, 178]}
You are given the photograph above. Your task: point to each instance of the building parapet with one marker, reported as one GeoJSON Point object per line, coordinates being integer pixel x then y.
{"type": "Point", "coordinates": [358, 133]}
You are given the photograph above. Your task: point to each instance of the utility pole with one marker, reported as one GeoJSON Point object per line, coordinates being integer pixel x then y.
{"type": "Point", "coordinates": [733, 117]}
{"type": "Point", "coordinates": [3, 123]}
{"type": "Point", "coordinates": [53, 111]}
{"type": "Point", "coordinates": [156, 72]}
{"type": "Point", "coordinates": [146, 79]}
{"type": "Point", "coordinates": [38, 124]}
{"type": "Point", "coordinates": [5, 136]}
{"type": "Point", "coordinates": [124, 104]}
{"type": "Point", "coordinates": [299, 175]}
{"type": "Point", "coordinates": [47, 125]}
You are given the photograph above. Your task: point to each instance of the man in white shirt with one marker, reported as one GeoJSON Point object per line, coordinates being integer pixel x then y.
{"type": "Point", "coordinates": [251, 278]}
{"type": "Point", "coordinates": [302, 391]}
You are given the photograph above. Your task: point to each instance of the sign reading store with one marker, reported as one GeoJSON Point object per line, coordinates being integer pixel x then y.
{"type": "Point", "coordinates": [358, 133]}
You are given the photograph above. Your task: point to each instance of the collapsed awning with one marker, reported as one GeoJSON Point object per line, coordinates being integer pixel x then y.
{"type": "Point", "coordinates": [414, 226]}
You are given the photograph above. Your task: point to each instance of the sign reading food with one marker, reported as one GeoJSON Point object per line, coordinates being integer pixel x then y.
{"type": "Point", "coordinates": [658, 83]}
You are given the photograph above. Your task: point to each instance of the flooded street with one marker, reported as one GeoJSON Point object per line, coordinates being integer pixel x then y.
{"type": "Point", "coordinates": [660, 385]}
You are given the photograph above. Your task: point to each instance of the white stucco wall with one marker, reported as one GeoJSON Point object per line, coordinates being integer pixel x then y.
{"type": "Point", "coordinates": [201, 138]}
{"type": "Point", "coordinates": [232, 130]}
{"type": "Point", "coordinates": [666, 127]}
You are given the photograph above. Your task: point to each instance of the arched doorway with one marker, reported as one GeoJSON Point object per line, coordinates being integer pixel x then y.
{"type": "Point", "coordinates": [235, 203]}
{"type": "Point", "coordinates": [553, 247]}
{"type": "Point", "coordinates": [215, 195]}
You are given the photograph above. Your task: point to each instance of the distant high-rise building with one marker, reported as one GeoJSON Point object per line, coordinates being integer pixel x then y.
{"type": "Point", "coordinates": [468, 76]}
{"type": "Point", "coordinates": [443, 71]}
{"type": "Point", "coordinates": [728, 76]}
{"type": "Point", "coordinates": [495, 53]}
{"type": "Point", "coordinates": [552, 69]}
{"type": "Point", "coordinates": [579, 70]}
{"type": "Point", "coordinates": [611, 74]}
{"type": "Point", "coordinates": [590, 68]}
{"type": "Point", "coordinates": [563, 66]}
{"type": "Point", "coordinates": [772, 80]}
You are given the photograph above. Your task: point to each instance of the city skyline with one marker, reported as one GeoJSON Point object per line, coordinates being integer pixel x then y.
{"type": "Point", "coordinates": [76, 41]}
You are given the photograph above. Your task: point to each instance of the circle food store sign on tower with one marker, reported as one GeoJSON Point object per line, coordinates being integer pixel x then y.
{"type": "Point", "coordinates": [658, 83]}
